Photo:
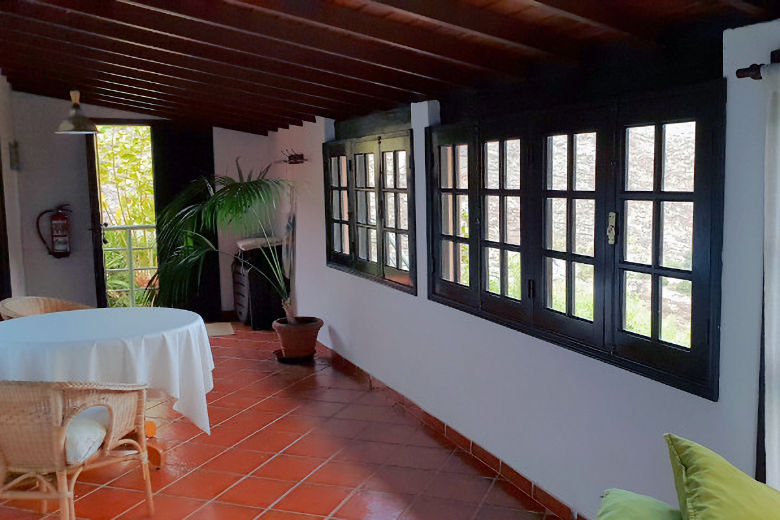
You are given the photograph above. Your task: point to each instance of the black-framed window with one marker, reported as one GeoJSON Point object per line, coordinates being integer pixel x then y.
{"type": "Point", "coordinates": [378, 193]}
{"type": "Point", "coordinates": [597, 228]}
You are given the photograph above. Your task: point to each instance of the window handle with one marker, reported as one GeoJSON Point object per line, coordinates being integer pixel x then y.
{"type": "Point", "coordinates": [611, 227]}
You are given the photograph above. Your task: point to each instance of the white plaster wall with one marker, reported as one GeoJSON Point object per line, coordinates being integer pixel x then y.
{"type": "Point", "coordinates": [53, 172]}
{"type": "Point", "coordinates": [574, 425]}
{"type": "Point", "coordinates": [11, 191]}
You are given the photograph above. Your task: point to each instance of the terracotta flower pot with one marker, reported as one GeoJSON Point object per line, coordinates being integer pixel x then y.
{"type": "Point", "coordinates": [298, 339]}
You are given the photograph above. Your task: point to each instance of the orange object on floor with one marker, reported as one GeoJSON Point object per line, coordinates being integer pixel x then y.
{"type": "Point", "coordinates": [150, 429]}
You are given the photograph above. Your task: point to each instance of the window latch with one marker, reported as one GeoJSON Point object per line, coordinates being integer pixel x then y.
{"type": "Point", "coordinates": [611, 227]}
{"type": "Point", "coordinates": [531, 289]}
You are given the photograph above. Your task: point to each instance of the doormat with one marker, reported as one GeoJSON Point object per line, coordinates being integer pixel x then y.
{"type": "Point", "coordinates": [220, 328]}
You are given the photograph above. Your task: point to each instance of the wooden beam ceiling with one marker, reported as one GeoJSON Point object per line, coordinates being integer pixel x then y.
{"type": "Point", "coordinates": [261, 65]}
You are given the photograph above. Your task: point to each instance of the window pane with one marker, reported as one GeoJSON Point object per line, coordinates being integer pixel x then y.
{"type": "Point", "coordinates": [514, 278]}
{"type": "Point", "coordinates": [493, 268]}
{"type": "Point", "coordinates": [585, 162]}
{"type": "Point", "coordinates": [362, 216]}
{"type": "Point", "coordinates": [372, 246]}
{"type": "Point", "coordinates": [446, 214]}
{"type": "Point", "coordinates": [335, 206]}
{"type": "Point", "coordinates": [446, 166]}
{"type": "Point", "coordinates": [512, 177]}
{"type": "Point", "coordinates": [584, 220]}
{"type": "Point", "coordinates": [334, 171]}
{"type": "Point", "coordinates": [640, 158]}
{"type": "Point", "coordinates": [558, 162]}
{"type": "Point", "coordinates": [403, 241]}
{"type": "Point", "coordinates": [372, 207]}
{"type": "Point", "coordinates": [337, 237]}
{"type": "Point", "coordinates": [677, 231]}
{"type": "Point", "coordinates": [401, 158]}
{"type": "Point", "coordinates": [389, 170]}
{"type": "Point", "coordinates": [676, 311]}
{"type": "Point", "coordinates": [344, 205]}
{"type": "Point", "coordinates": [492, 218]}
{"type": "Point", "coordinates": [403, 211]}
{"type": "Point", "coordinates": [556, 284]}
{"type": "Point", "coordinates": [679, 156]}
{"type": "Point", "coordinates": [362, 243]}
{"type": "Point", "coordinates": [556, 224]}
{"type": "Point", "coordinates": [390, 210]}
{"type": "Point", "coordinates": [463, 166]}
{"type": "Point", "coordinates": [639, 231]}
{"type": "Point", "coordinates": [370, 172]}
{"type": "Point", "coordinates": [360, 170]}
{"type": "Point", "coordinates": [583, 291]}
{"type": "Point", "coordinates": [448, 263]}
{"type": "Point", "coordinates": [512, 220]}
{"type": "Point", "coordinates": [637, 302]}
{"type": "Point", "coordinates": [463, 267]}
{"type": "Point", "coordinates": [343, 170]}
{"type": "Point", "coordinates": [390, 254]}
{"type": "Point", "coordinates": [345, 238]}
{"type": "Point", "coordinates": [463, 216]}
{"type": "Point", "coordinates": [491, 165]}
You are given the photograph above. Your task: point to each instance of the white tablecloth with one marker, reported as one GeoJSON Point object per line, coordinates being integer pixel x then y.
{"type": "Point", "coordinates": [167, 349]}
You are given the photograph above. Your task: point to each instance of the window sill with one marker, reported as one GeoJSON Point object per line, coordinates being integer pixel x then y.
{"type": "Point", "coordinates": [382, 281]}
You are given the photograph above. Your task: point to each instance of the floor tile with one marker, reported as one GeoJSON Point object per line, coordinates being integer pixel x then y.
{"type": "Point", "coordinates": [238, 460]}
{"type": "Point", "coordinates": [419, 457]}
{"type": "Point", "coordinates": [368, 451]}
{"type": "Point", "coordinates": [373, 505]}
{"type": "Point", "coordinates": [220, 511]}
{"type": "Point", "coordinates": [256, 492]}
{"type": "Point", "coordinates": [489, 512]}
{"type": "Point", "coordinates": [167, 507]}
{"type": "Point", "coordinates": [286, 515]}
{"type": "Point", "coordinates": [201, 484]}
{"type": "Point", "coordinates": [504, 494]}
{"type": "Point", "coordinates": [312, 499]}
{"type": "Point", "coordinates": [106, 503]}
{"type": "Point", "coordinates": [426, 508]}
{"type": "Point", "coordinates": [192, 454]}
{"type": "Point", "coordinates": [269, 441]}
{"type": "Point", "coordinates": [338, 473]}
{"type": "Point", "coordinates": [287, 467]}
{"type": "Point", "coordinates": [316, 446]}
{"type": "Point", "coordinates": [168, 473]}
{"type": "Point", "coordinates": [396, 479]}
{"type": "Point", "coordinates": [462, 488]}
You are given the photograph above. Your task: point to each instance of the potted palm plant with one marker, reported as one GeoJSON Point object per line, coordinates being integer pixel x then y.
{"type": "Point", "coordinates": [244, 206]}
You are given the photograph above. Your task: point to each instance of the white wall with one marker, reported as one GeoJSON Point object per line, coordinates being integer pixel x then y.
{"type": "Point", "coordinates": [11, 192]}
{"type": "Point", "coordinates": [574, 425]}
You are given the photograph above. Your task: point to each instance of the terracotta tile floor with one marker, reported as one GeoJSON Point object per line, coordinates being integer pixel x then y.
{"type": "Point", "coordinates": [292, 442]}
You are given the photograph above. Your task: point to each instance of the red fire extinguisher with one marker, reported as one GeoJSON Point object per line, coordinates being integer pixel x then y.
{"type": "Point", "coordinates": [59, 224]}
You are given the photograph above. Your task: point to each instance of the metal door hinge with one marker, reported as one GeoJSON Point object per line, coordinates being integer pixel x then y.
{"type": "Point", "coordinates": [611, 227]}
{"type": "Point", "coordinates": [531, 289]}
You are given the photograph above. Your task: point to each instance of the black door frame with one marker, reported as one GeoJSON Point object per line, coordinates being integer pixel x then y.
{"type": "Point", "coordinates": [5, 266]}
{"type": "Point", "coordinates": [96, 226]}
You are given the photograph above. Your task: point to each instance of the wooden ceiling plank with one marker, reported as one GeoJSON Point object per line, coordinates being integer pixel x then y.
{"type": "Point", "coordinates": [77, 46]}
{"type": "Point", "coordinates": [21, 85]}
{"type": "Point", "coordinates": [504, 30]}
{"type": "Point", "coordinates": [443, 47]}
{"type": "Point", "coordinates": [174, 110]}
{"type": "Point", "coordinates": [78, 80]}
{"type": "Point", "coordinates": [76, 74]}
{"type": "Point", "coordinates": [222, 21]}
{"type": "Point", "coordinates": [121, 22]}
{"type": "Point", "coordinates": [164, 49]}
{"type": "Point", "coordinates": [761, 11]}
{"type": "Point", "coordinates": [606, 17]}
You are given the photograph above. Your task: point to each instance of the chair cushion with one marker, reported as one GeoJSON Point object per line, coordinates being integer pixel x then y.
{"type": "Point", "coordinates": [623, 505]}
{"type": "Point", "coordinates": [85, 434]}
{"type": "Point", "coordinates": [709, 488]}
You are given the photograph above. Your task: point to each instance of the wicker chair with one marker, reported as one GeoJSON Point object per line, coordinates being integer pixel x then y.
{"type": "Point", "coordinates": [34, 437]}
{"type": "Point", "coordinates": [30, 305]}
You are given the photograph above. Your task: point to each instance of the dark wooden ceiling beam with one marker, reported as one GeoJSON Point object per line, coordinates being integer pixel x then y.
{"type": "Point", "coordinates": [232, 25]}
{"type": "Point", "coordinates": [22, 85]}
{"type": "Point", "coordinates": [36, 38]}
{"type": "Point", "coordinates": [316, 13]}
{"type": "Point", "coordinates": [183, 37]}
{"type": "Point", "coordinates": [602, 16]}
{"type": "Point", "coordinates": [80, 80]}
{"type": "Point", "coordinates": [761, 9]}
{"type": "Point", "coordinates": [47, 64]}
{"type": "Point", "coordinates": [180, 109]}
{"type": "Point", "coordinates": [163, 48]}
{"type": "Point", "coordinates": [504, 30]}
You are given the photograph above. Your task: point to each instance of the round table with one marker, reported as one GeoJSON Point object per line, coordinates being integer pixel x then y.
{"type": "Point", "coordinates": [167, 349]}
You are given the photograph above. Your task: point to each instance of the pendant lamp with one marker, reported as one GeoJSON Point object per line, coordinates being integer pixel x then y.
{"type": "Point", "coordinates": [76, 122]}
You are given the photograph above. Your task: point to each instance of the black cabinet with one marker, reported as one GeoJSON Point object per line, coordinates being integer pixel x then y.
{"type": "Point", "coordinates": [257, 303]}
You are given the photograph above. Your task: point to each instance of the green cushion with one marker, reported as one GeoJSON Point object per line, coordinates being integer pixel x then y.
{"type": "Point", "coordinates": [625, 505]}
{"type": "Point", "coordinates": [709, 488]}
